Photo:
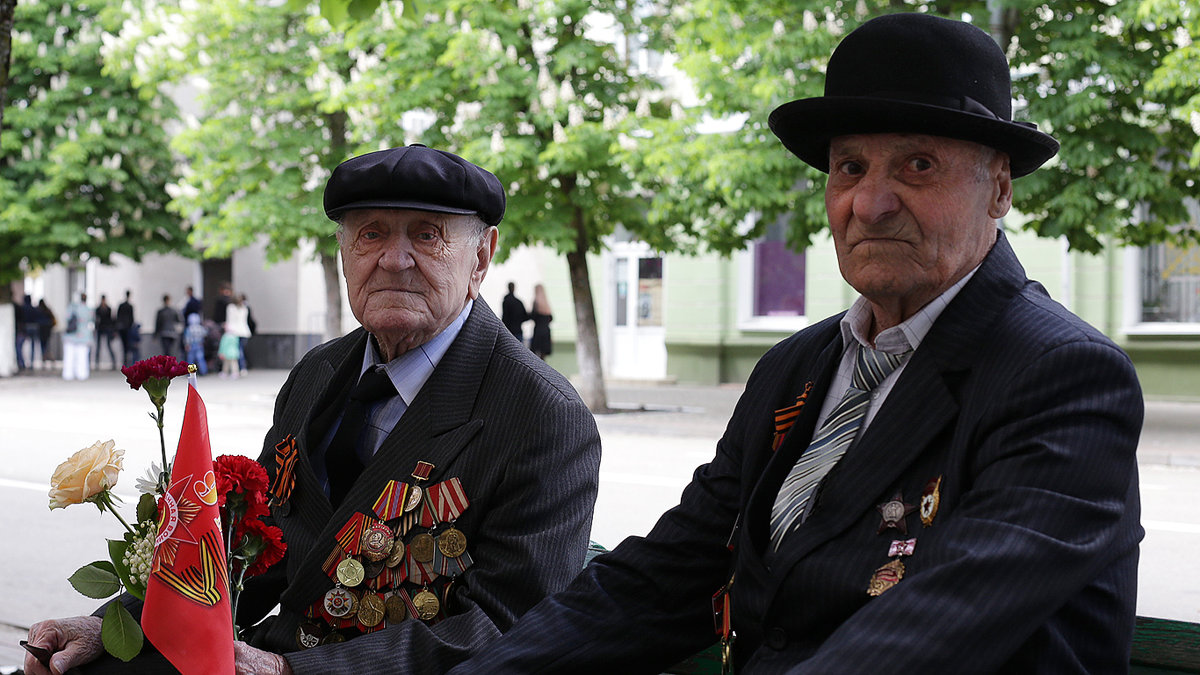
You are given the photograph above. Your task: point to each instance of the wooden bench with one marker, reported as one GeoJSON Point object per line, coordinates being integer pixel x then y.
{"type": "Point", "coordinates": [1160, 646]}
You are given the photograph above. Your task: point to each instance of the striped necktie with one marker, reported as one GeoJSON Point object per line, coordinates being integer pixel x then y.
{"type": "Point", "coordinates": [793, 503]}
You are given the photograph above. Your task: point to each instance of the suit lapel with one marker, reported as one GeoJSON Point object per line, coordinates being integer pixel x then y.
{"type": "Point", "coordinates": [921, 404]}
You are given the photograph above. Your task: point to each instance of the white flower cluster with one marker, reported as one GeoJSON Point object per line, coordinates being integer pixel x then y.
{"type": "Point", "coordinates": [139, 555]}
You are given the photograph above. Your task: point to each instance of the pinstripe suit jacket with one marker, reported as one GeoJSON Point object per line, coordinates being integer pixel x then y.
{"type": "Point", "coordinates": [514, 432]}
{"type": "Point", "coordinates": [1030, 417]}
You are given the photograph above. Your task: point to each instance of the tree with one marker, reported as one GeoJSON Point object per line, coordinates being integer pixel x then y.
{"type": "Point", "coordinates": [1080, 71]}
{"type": "Point", "coordinates": [267, 129]}
{"type": "Point", "coordinates": [84, 162]}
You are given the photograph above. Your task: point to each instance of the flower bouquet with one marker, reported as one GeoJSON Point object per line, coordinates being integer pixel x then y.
{"type": "Point", "coordinates": [170, 529]}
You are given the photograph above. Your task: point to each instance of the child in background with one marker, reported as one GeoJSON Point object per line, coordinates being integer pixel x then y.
{"type": "Point", "coordinates": [193, 342]}
{"type": "Point", "coordinates": [230, 350]}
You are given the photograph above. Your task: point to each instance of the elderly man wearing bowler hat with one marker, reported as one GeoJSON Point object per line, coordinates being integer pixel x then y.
{"type": "Point", "coordinates": [433, 479]}
{"type": "Point", "coordinates": [941, 479]}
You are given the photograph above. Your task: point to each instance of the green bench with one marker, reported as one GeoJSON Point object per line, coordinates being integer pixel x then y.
{"type": "Point", "coordinates": [1160, 646]}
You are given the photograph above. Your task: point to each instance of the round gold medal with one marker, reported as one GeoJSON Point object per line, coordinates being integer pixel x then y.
{"type": "Point", "coordinates": [397, 555]}
{"type": "Point", "coordinates": [377, 542]}
{"type": "Point", "coordinates": [452, 543]}
{"type": "Point", "coordinates": [414, 498]}
{"type": "Point", "coordinates": [350, 572]}
{"type": "Point", "coordinates": [340, 602]}
{"type": "Point", "coordinates": [333, 638]}
{"type": "Point", "coordinates": [394, 608]}
{"type": "Point", "coordinates": [427, 605]}
{"type": "Point", "coordinates": [370, 610]}
{"type": "Point", "coordinates": [422, 546]}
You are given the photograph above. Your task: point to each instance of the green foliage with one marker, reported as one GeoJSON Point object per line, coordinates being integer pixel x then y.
{"type": "Point", "coordinates": [120, 632]}
{"type": "Point", "coordinates": [84, 162]}
{"type": "Point", "coordinates": [97, 580]}
{"type": "Point", "coordinates": [1114, 82]}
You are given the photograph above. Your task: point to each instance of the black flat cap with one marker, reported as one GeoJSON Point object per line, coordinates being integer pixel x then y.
{"type": "Point", "coordinates": [414, 177]}
{"type": "Point", "coordinates": [914, 73]}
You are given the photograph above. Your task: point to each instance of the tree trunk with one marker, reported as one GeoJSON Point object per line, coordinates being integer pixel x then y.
{"type": "Point", "coordinates": [333, 296]}
{"type": "Point", "coordinates": [587, 343]}
{"type": "Point", "coordinates": [8, 8]}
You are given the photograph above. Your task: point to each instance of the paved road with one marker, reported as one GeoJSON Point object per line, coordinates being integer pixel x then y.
{"type": "Point", "coordinates": [650, 450]}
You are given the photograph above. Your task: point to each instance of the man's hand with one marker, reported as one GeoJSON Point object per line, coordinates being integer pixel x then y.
{"type": "Point", "coordinates": [71, 642]}
{"type": "Point", "coordinates": [250, 661]}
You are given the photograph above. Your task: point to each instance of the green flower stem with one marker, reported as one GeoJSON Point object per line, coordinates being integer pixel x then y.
{"type": "Point", "coordinates": [106, 500]}
{"type": "Point", "coordinates": [162, 441]}
{"type": "Point", "coordinates": [235, 592]}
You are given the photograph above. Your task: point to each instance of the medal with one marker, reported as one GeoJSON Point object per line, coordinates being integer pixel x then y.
{"type": "Point", "coordinates": [350, 572]}
{"type": "Point", "coordinates": [414, 498]}
{"type": "Point", "coordinates": [339, 603]}
{"type": "Point", "coordinates": [421, 472]}
{"type": "Point", "coordinates": [422, 546]}
{"type": "Point", "coordinates": [427, 604]}
{"type": "Point", "coordinates": [930, 498]}
{"type": "Point", "coordinates": [370, 610]}
{"type": "Point", "coordinates": [885, 577]}
{"type": "Point", "coordinates": [394, 608]}
{"type": "Point", "coordinates": [893, 513]}
{"type": "Point", "coordinates": [333, 638]}
{"type": "Point", "coordinates": [902, 547]}
{"type": "Point", "coordinates": [309, 634]}
{"type": "Point", "coordinates": [377, 541]}
{"type": "Point", "coordinates": [372, 570]}
{"type": "Point", "coordinates": [452, 543]}
{"type": "Point", "coordinates": [396, 556]}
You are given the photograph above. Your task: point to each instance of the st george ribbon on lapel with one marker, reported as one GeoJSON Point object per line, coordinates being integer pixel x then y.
{"type": "Point", "coordinates": [342, 464]}
{"type": "Point", "coordinates": [831, 441]}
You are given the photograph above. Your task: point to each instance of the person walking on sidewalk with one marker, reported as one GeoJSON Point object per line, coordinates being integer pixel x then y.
{"type": "Point", "coordinates": [77, 340]}
{"type": "Point", "coordinates": [106, 328]}
{"type": "Point", "coordinates": [124, 325]}
{"type": "Point", "coordinates": [166, 326]}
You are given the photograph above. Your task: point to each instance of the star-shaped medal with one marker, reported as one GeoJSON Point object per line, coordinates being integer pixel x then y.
{"type": "Point", "coordinates": [893, 513]}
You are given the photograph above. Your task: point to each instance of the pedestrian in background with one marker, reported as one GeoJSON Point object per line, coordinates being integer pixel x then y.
{"type": "Point", "coordinates": [251, 329]}
{"type": "Point", "coordinates": [29, 329]}
{"type": "Point", "coordinates": [229, 351]}
{"type": "Point", "coordinates": [541, 315]}
{"type": "Point", "coordinates": [19, 333]}
{"type": "Point", "coordinates": [513, 314]}
{"type": "Point", "coordinates": [192, 305]}
{"type": "Point", "coordinates": [237, 323]}
{"type": "Point", "coordinates": [223, 300]}
{"type": "Point", "coordinates": [166, 325]}
{"type": "Point", "coordinates": [125, 329]}
{"type": "Point", "coordinates": [77, 340]}
{"type": "Point", "coordinates": [46, 322]}
{"type": "Point", "coordinates": [106, 328]}
{"type": "Point", "coordinates": [193, 342]}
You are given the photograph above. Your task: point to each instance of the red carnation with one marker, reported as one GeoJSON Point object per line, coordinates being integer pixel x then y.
{"type": "Point", "coordinates": [161, 366]}
{"type": "Point", "coordinates": [267, 540]}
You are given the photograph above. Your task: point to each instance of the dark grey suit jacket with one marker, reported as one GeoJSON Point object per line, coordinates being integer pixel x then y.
{"type": "Point", "coordinates": [1030, 417]}
{"type": "Point", "coordinates": [526, 449]}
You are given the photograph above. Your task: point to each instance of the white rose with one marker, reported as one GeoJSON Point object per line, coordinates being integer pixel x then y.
{"type": "Point", "coordinates": [86, 474]}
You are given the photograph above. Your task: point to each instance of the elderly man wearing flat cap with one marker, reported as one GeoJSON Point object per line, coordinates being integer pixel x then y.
{"type": "Point", "coordinates": [433, 479]}
{"type": "Point", "coordinates": [941, 479]}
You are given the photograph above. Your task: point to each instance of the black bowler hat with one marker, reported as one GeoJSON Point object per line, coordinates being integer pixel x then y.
{"type": "Point", "coordinates": [414, 177]}
{"type": "Point", "coordinates": [914, 73]}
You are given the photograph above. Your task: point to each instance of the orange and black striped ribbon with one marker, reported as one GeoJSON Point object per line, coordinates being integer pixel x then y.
{"type": "Point", "coordinates": [786, 417]}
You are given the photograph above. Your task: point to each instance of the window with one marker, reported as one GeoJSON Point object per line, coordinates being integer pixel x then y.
{"type": "Point", "coordinates": [1170, 284]}
{"type": "Point", "coordinates": [773, 291]}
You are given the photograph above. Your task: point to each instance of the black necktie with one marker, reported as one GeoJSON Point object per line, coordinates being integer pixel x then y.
{"type": "Point", "coordinates": [341, 458]}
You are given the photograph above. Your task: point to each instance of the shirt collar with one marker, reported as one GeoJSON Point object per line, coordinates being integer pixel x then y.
{"type": "Point", "coordinates": [409, 371]}
{"type": "Point", "coordinates": [908, 334]}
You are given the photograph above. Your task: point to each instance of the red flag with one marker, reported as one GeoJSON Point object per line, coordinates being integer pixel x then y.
{"type": "Point", "coordinates": [187, 615]}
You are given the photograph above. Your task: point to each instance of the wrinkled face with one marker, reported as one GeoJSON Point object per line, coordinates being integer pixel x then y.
{"type": "Point", "coordinates": [409, 273]}
{"type": "Point", "coordinates": [912, 214]}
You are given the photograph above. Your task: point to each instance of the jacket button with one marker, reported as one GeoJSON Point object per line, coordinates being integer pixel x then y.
{"type": "Point", "coordinates": [777, 638]}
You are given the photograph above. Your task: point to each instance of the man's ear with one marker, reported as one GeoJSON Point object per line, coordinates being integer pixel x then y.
{"type": "Point", "coordinates": [483, 259]}
{"type": "Point", "coordinates": [1001, 176]}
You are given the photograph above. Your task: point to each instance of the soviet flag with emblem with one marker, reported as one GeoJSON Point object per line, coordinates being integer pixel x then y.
{"type": "Point", "coordinates": [187, 611]}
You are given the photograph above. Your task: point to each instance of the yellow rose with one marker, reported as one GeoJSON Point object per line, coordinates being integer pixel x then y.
{"type": "Point", "coordinates": [86, 474]}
